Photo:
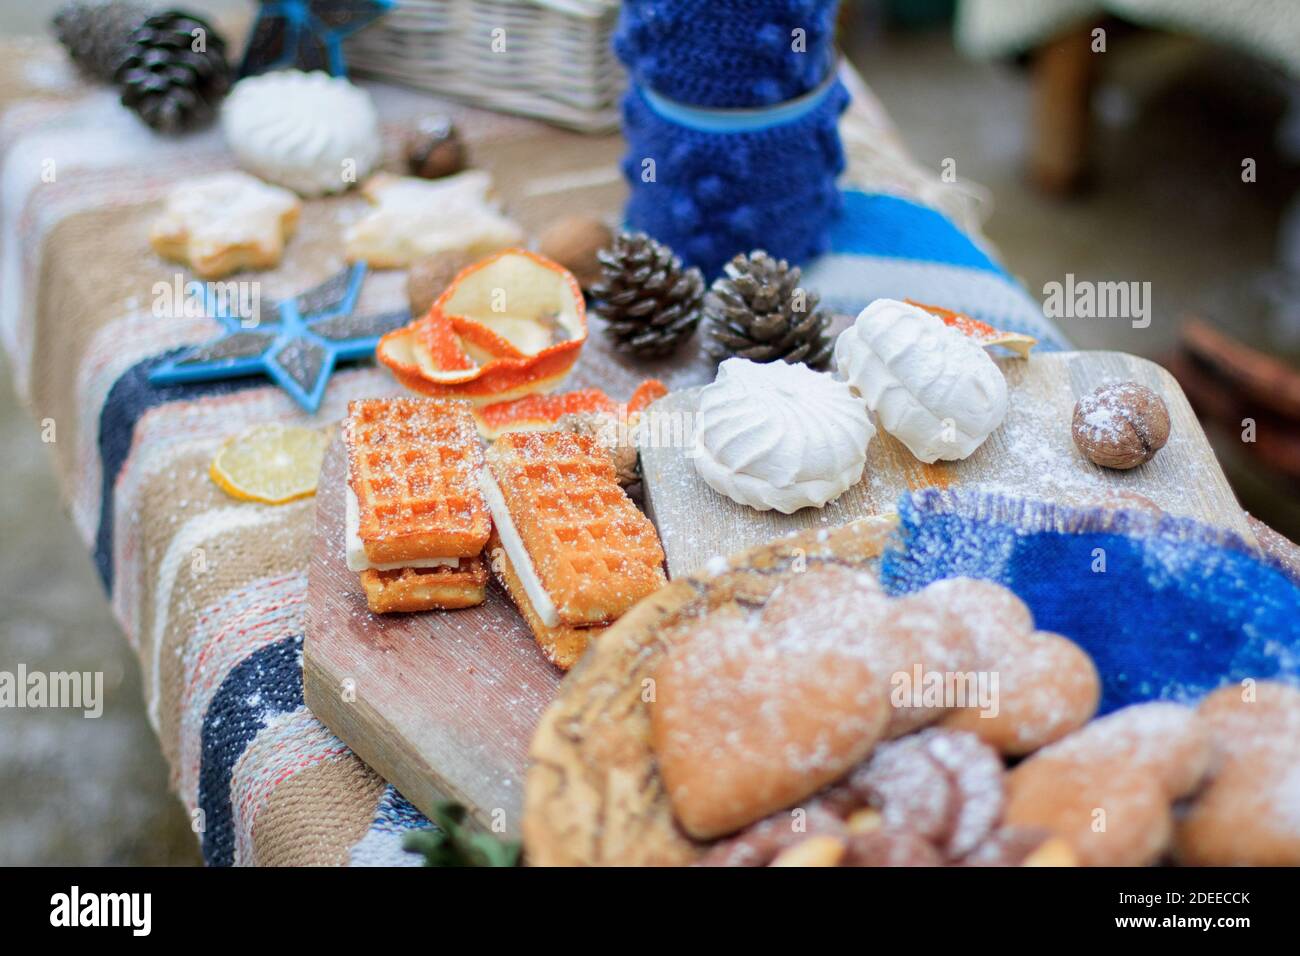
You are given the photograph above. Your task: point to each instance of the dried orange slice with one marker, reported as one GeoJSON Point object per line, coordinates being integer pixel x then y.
{"type": "Point", "coordinates": [539, 412]}
{"type": "Point", "coordinates": [981, 332]}
{"type": "Point", "coordinates": [506, 327]}
{"type": "Point", "coordinates": [442, 357]}
{"type": "Point", "coordinates": [271, 463]}
{"type": "Point", "coordinates": [651, 390]}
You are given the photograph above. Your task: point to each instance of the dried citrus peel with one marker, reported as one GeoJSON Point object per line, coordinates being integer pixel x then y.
{"type": "Point", "coordinates": [981, 332]}
{"type": "Point", "coordinates": [507, 326]}
{"type": "Point", "coordinates": [540, 412]}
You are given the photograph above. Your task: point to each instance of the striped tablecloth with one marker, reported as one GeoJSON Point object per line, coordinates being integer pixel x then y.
{"type": "Point", "coordinates": [210, 591]}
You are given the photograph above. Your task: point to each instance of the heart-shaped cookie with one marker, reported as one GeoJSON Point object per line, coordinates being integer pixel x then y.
{"type": "Point", "coordinates": [1248, 814]}
{"type": "Point", "coordinates": [754, 710]}
{"type": "Point", "coordinates": [1040, 686]}
{"type": "Point", "coordinates": [1108, 789]}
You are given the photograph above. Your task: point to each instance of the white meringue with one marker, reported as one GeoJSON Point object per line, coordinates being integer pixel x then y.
{"type": "Point", "coordinates": [311, 132]}
{"type": "Point", "coordinates": [780, 436]}
{"type": "Point", "coordinates": [931, 387]}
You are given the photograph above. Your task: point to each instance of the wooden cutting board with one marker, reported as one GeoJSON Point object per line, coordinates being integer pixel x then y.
{"type": "Point", "coordinates": [1032, 455]}
{"type": "Point", "coordinates": [443, 705]}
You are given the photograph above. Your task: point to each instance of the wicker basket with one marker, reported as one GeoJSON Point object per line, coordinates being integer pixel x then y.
{"type": "Point", "coordinates": [558, 62]}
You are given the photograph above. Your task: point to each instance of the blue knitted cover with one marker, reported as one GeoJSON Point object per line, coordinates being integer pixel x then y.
{"type": "Point", "coordinates": [726, 53]}
{"type": "Point", "coordinates": [714, 195]}
{"type": "Point", "coordinates": [1178, 608]}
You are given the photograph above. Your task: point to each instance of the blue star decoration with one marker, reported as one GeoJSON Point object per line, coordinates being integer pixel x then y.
{"type": "Point", "coordinates": [312, 332]}
{"type": "Point", "coordinates": [306, 34]}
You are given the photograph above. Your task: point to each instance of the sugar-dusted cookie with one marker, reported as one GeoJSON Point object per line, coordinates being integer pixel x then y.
{"type": "Point", "coordinates": [1107, 789]}
{"type": "Point", "coordinates": [925, 639]}
{"type": "Point", "coordinates": [976, 634]}
{"type": "Point", "coordinates": [1046, 685]}
{"type": "Point", "coordinates": [1249, 812]}
{"type": "Point", "coordinates": [1110, 815]}
{"type": "Point", "coordinates": [755, 710]}
{"type": "Point", "coordinates": [1166, 739]}
{"type": "Point", "coordinates": [225, 222]}
{"type": "Point", "coordinates": [942, 785]}
{"type": "Point", "coordinates": [413, 218]}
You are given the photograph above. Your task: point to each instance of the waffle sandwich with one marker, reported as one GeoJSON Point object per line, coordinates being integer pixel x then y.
{"type": "Point", "coordinates": [569, 546]}
{"type": "Point", "coordinates": [416, 521]}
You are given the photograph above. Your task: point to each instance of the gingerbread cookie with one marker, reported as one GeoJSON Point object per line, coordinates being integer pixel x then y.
{"type": "Point", "coordinates": [1108, 789]}
{"type": "Point", "coordinates": [756, 709]}
{"type": "Point", "coordinates": [1047, 685]}
{"type": "Point", "coordinates": [1249, 811]}
{"type": "Point", "coordinates": [930, 799]}
{"type": "Point", "coordinates": [967, 631]}
{"type": "Point", "coordinates": [225, 222]}
{"type": "Point", "coordinates": [414, 218]}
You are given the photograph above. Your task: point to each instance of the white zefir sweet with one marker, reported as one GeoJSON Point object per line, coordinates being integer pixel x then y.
{"type": "Point", "coordinates": [311, 132]}
{"type": "Point", "coordinates": [930, 386]}
{"type": "Point", "coordinates": [780, 436]}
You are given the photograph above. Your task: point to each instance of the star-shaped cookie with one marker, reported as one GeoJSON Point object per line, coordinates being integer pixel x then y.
{"type": "Point", "coordinates": [225, 222]}
{"type": "Point", "coordinates": [414, 218]}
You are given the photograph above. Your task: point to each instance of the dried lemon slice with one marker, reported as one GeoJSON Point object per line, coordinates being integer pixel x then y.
{"type": "Point", "coordinates": [270, 463]}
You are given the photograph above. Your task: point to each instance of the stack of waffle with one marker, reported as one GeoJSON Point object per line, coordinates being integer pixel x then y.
{"type": "Point", "coordinates": [416, 523]}
{"type": "Point", "coordinates": [571, 549]}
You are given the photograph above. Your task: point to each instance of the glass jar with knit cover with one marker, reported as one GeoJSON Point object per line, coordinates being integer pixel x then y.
{"type": "Point", "coordinates": [731, 121]}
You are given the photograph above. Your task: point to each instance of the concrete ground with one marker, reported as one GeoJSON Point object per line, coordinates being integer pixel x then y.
{"type": "Point", "coordinates": [1167, 206]}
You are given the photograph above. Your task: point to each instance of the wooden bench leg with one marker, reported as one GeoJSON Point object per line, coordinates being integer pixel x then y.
{"type": "Point", "coordinates": [1063, 75]}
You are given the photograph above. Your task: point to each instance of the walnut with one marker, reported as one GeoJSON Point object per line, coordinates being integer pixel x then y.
{"type": "Point", "coordinates": [573, 242]}
{"type": "Point", "coordinates": [1121, 425]}
{"type": "Point", "coordinates": [434, 149]}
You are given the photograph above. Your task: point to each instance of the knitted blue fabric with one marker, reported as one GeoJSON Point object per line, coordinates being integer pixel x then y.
{"type": "Point", "coordinates": [885, 247]}
{"type": "Point", "coordinates": [714, 195]}
{"type": "Point", "coordinates": [727, 53]}
{"type": "Point", "coordinates": [1178, 609]}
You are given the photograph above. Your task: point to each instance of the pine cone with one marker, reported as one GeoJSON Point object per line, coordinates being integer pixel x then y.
{"type": "Point", "coordinates": [649, 303]}
{"type": "Point", "coordinates": [169, 83]}
{"type": "Point", "coordinates": [95, 33]}
{"type": "Point", "coordinates": [757, 311]}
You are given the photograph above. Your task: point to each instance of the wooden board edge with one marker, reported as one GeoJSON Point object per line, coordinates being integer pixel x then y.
{"type": "Point", "coordinates": [399, 766]}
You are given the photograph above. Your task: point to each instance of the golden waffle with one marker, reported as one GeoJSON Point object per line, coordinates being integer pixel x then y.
{"type": "Point", "coordinates": [426, 589]}
{"type": "Point", "coordinates": [593, 551]}
{"type": "Point", "coordinates": [561, 645]}
{"type": "Point", "coordinates": [413, 465]}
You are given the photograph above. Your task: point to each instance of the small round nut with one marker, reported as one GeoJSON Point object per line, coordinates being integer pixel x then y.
{"type": "Point", "coordinates": [573, 242]}
{"type": "Point", "coordinates": [434, 149]}
{"type": "Point", "coordinates": [1121, 425]}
